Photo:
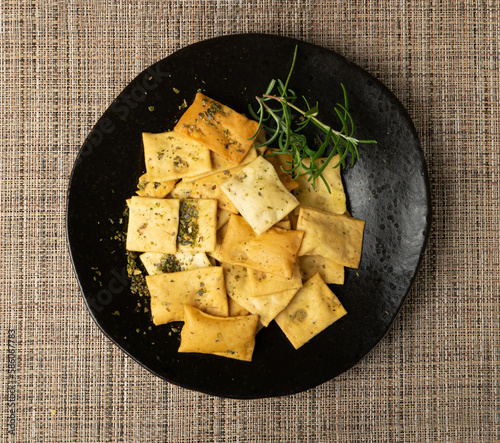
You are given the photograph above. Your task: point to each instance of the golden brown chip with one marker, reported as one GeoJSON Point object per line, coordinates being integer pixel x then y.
{"type": "Point", "coordinates": [334, 236]}
{"type": "Point", "coordinates": [235, 309]}
{"type": "Point", "coordinates": [258, 194]}
{"type": "Point", "coordinates": [280, 165]}
{"type": "Point", "coordinates": [273, 252]}
{"type": "Point", "coordinates": [209, 187]}
{"type": "Point", "coordinates": [152, 225]}
{"type": "Point", "coordinates": [267, 307]}
{"type": "Point", "coordinates": [262, 283]}
{"type": "Point", "coordinates": [220, 164]}
{"type": "Point", "coordinates": [150, 188]}
{"type": "Point", "coordinates": [222, 217]}
{"type": "Point", "coordinates": [330, 272]}
{"type": "Point", "coordinates": [218, 127]}
{"type": "Point", "coordinates": [171, 155]}
{"type": "Point", "coordinates": [181, 190]}
{"type": "Point", "coordinates": [220, 236]}
{"type": "Point", "coordinates": [285, 224]}
{"type": "Point", "coordinates": [311, 311]}
{"type": "Point", "coordinates": [333, 201]}
{"type": "Point", "coordinates": [202, 288]}
{"type": "Point", "coordinates": [232, 337]}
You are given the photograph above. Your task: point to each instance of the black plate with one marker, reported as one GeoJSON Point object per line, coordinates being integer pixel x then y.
{"type": "Point", "coordinates": [388, 189]}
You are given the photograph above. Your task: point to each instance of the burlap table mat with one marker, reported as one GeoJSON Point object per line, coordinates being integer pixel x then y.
{"type": "Point", "coordinates": [434, 378]}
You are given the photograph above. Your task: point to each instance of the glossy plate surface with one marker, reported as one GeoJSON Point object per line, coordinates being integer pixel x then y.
{"type": "Point", "coordinates": [388, 189]}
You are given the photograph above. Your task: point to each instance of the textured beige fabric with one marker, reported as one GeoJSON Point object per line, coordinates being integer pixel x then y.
{"type": "Point", "coordinates": [434, 378]}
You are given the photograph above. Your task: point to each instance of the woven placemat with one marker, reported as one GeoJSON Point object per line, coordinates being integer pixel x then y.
{"type": "Point", "coordinates": [434, 378]}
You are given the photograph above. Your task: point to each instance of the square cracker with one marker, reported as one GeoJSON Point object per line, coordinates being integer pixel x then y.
{"type": "Point", "coordinates": [218, 127]}
{"type": "Point", "coordinates": [221, 232]}
{"type": "Point", "coordinates": [222, 217]}
{"type": "Point", "coordinates": [181, 190]}
{"type": "Point", "coordinates": [220, 164]}
{"type": "Point", "coordinates": [235, 309]}
{"type": "Point", "coordinates": [157, 263]}
{"type": "Point", "coordinates": [311, 311]}
{"type": "Point", "coordinates": [259, 195]}
{"type": "Point", "coordinates": [319, 198]}
{"type": "Point", "coordinates": [337, 237]}
{"type": "Point", "coordinates": [197, 225]}
{"type": "Point", "coordinates": [279, 162]}
{"type": "Point", "coordinates": [329, 271]}
{"type": "Point", "coordinates": [267, 307]}
{"type": "Point", "coordinates": [262, 283]}
{"type": "Point", "coordinates": [170, 155]}
{"type": "Point", "coordinates": [202, 288]}
{"type": "Point", "coordinates": [273, 252]}
{"type": "Point", "coordinates": [150, 188]}
{"type": "Point", "coordinates": [232, 337]}
{"type": "Point", "coordinates": [152, 225]}
{"type": "Point", "coordinates": [209, 187]}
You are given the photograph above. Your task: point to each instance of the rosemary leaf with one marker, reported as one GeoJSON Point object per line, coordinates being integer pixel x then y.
{"type": "Point", "coordinates": [286, 131]}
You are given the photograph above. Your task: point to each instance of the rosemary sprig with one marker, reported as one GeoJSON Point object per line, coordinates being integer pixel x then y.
{"type": "Point", "coordinates": [286, 131]}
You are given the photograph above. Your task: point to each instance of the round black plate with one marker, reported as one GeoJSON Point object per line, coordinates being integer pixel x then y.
{"type": "Point", "coordinates": [388, 189]}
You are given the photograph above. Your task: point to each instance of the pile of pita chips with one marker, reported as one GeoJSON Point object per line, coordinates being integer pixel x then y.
{"type": "Point", "coordinates": [231, 242]}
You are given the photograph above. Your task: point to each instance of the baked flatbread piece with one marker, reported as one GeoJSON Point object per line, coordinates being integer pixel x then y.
{"type": "Point", "coordinates": [218, 127]}
{"type": "Point", "coordinates": [258, 194]}
{"type": "Point", "coordinates": [150, 188]}
{"type": "Point", "coordinates": [273, 252]}
{"type": "Point", "coordinates": [311, 311]}
{"type": "Point", "coordinates": [232, 337]}
{"type": "Point", "coordinates": [319, 198]}
{"type": "Point", "coordinates": [170, 155]}
{"type": "Point", "coordinates": [152, 225]}
{"type": "Point", "coordinates": [220, 164]}
{"type": "Point", "coordinates": [267, 307]}
{"type": "Point", "coordinates": [330, 272]}
{"type": "Point", "coordinates": [202, 288]}
{"type": "Point", "coordinates": [209, 187]}
{"type": "Point", "coordinates": [337, 237]}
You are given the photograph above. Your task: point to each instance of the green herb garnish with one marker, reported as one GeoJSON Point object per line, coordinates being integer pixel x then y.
{"type": "Point", "coordinates": [287, 130]}
{"type": "Point", "coordinates": [168, 263]}
{"type": "Point", "coordinates": [137, 273]}
{"type": "Point", "coordinates": [188, 224]}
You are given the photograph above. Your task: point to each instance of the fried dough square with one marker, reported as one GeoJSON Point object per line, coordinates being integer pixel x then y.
{"type": "Point", "coordinates": [181, 190]}
{"type": "Point", "coordinates": [336, 237]}
{"type": "Point", "coordinates": [218, 127]}
{"type": "Point", "coordinates": [202, 288]}
{"type": "Point", "coordinates": [258, 194]}
{"type": "Point", "coordinates": [152, 225]}
{"type": "Point", "coordinates": [311, 311]}
{"type": "Point", "coordinates": [329, 271]}
{"type": "Point", "coordinates": [220, 164]}
{"type": "Point", "coordinates": [262, 283]}
{"type": "Point", "coordinates": [150, 188]}
{"type": "Point", "coordinates": [279, 163]}
{"type": "Point", "coordinates": [319, 198]}
{"type": "Point", "coordinates": [170, 155]}
{"type": "Point", "coordinates": [235, 309]}
{"type": "Point", "coordinates": [267, 307]}
{"type": "Point", "coordinates": [209, 187]}
{"type": "Point", "coordinates": [232, 337]}
{"type": "Point", "coordinates": [222, 217]}
{"type": "Point", "coordinates": [273, 252]}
